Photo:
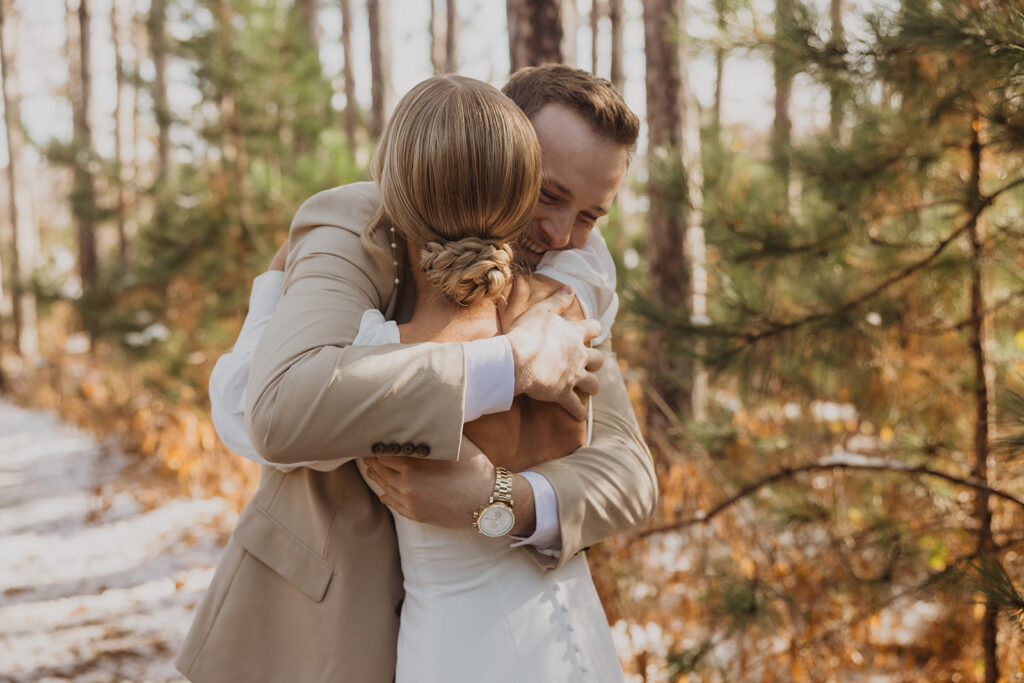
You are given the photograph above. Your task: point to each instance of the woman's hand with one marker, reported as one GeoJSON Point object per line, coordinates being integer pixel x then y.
{"type": "Point", "coordinates": [446, 493]}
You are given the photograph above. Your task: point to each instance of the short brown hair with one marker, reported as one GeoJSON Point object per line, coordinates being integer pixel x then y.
{"type": "Point", "coordinates": [593, 98]}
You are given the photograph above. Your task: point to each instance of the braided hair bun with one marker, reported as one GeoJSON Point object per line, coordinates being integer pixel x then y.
{"type": "Point", "coordinates": [468, 269]}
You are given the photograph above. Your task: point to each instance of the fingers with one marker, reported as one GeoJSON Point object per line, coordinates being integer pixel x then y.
{"type": "Point", "coordinates": [595, 360]}
{"type": "Point", "coordinates": [589, 385]}
{"type": "Point", "coordinates": [573, 405]}
{"type": "Point", "coordinates": [558, 303]}
{"type": "Point", "coordinates": [590, 327]}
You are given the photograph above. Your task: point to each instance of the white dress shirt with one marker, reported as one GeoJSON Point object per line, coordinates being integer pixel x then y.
{"type": "Point", "coordinates": [490, 369]}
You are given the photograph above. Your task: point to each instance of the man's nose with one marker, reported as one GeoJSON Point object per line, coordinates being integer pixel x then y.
{"type": "Point", "coordinates": [557, 230]}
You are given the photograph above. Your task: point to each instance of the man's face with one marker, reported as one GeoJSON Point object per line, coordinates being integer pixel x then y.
{"type": "Point", "coordinates": [582, 173]}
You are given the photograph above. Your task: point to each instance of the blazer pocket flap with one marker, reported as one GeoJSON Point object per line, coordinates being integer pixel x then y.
{"type": "Point", "coordinates": [279, 549]}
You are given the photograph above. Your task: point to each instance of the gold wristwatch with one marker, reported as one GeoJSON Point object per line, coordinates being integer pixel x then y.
{"type": "Point", "coordinates": [496, 518]}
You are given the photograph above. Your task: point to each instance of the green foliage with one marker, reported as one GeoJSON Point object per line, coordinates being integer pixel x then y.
{"type": "Point", "coordinates": [842, 314]}
{"type": "Point", "coordinates": [262, 139]}
{"type": "Point", "coordinates": [988, 577]}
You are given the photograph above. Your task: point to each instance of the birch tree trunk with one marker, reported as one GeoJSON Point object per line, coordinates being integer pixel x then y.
{"type": "Point", "coordinates": [618, 77]}
{"type": "Point", "coordinates": [83, 198]}
{"type": "Point", "coordinates": [24, 238]}
{"type": "Point", "coordinates": [351, 106]}
{"type": "Point", "coordinates": [380, 64]}
{"type": "Point", "coordinates": [451, 38]}
{"type": "Point", "coordinates": [534, 32]}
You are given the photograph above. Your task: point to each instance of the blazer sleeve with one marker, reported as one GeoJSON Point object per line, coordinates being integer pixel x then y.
{"type": "Point", "coordinates": [608, 487]}
{"type": "Point", "coordinates": [311, 396]}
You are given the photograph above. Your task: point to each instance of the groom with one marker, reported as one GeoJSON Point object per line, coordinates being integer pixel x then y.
{"type": "Point", "coordinates": [309, 587]}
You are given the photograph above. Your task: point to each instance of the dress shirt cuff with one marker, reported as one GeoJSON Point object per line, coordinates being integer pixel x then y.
{"type": "Point", "coordinates": [490, 376]}
{"type": "Point", "coordinates": [547, 537]}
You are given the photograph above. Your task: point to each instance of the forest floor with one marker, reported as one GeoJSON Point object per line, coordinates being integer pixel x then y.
{"type": "Point", "coordinates": [98, 583]}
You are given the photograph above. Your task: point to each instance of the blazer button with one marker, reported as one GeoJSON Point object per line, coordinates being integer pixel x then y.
{"type": "Point", "coordinates": [378, 448]}
{"type": "Point", "coordinates": [394, 448]}
{"type": "Point", "coordinates": [423, 450]}
{"type": "Point", "coordinates": [408, 448]}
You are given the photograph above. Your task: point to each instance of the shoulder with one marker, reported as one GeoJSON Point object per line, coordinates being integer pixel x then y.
{"type": "Point", "coordinates": [592, 262]}
{"type": "Point", "coordinates": [347, 207]}
{"type": "Point", "coordinates": [527, 290]}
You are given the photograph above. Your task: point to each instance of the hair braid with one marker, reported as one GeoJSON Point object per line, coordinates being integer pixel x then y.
{"type": "Point", "coordinates": [468, 269]}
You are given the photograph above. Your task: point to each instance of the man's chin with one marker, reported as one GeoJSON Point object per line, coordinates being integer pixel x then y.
{"type": "Point", "coordinates": [528, 258]}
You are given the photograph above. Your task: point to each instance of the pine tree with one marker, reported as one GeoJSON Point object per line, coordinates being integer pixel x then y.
{"type": "Point", "coordinates": [534, 32]}
{"type": "Point", "coordinates": [869, 328]}
{"type": "Point", "coordinates": [25, 239]}
{"type": "Point", "coordinates": [380, 64]}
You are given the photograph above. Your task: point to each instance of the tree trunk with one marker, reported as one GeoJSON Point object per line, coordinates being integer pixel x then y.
{"type": "Point", "coordinates": [716, 120]}
{"type": "Point", "coordinates": [694, 255]}
{"type": "Point", "coordinates": [595, 33]}
{"type": "Point", "coordinates": [668, 216]}
{"type": "Point", "coordinates": [310, 10]}
{"type": "Point", "coordinates": [570, 26]}
{"type": "Point", "coordinates": [981, 343]}
{"type": "Point", "coordinates": [618, 77]}
{"type": "Point", "coordinates": [351, 107]}
{"type": "Point", "coordinates": [782, 126]}
{"type": "Point", "coordinates": [124, 113]}
{"type": "Point", "coordinates": [437, 39]}
{"type": "Point", "coordinates": [24, 238]}
{"type": "Point", "coordinates": [451, 38]}
{"type": "Point", "coordinates": [837, 42]}
{"type": "Point", "coordinates": [83, 199]}
{"type": "Point", "coordinates": [380, 64]}
{"type": "Point", "coordinates": [235, 153]}
{"type": "Point", "coordinates": [139, 34]}
{"type": "Point", "coordinates": [161, 109]}
{"type": "Point", "coordinates": [534, 32]}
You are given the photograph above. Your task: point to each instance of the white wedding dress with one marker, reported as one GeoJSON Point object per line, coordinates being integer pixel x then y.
{"type": "Point", "coordinates": [479, 610]}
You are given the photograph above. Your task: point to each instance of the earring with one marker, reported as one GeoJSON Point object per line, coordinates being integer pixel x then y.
{"type": "Point", "coordinates": [394, 253]}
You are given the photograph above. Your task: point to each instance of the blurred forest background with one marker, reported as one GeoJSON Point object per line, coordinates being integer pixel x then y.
{"type": "Point", "coordinates": [824, 325]}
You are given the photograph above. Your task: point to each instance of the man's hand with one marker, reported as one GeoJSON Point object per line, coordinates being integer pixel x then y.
{"type": "Point", "coordinates": [551, 354]}
{"type": "Point", "coordinates": [277, 263]}
{"type": "Point", "coordinates": [447, 493]}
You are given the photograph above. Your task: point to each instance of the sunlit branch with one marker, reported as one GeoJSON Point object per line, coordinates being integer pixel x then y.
{"type": "Point", "coordinates": [843, 461]}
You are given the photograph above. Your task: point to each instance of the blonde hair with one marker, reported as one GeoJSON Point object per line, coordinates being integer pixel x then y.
{"type": "Point", "coordinates": [459, 171]}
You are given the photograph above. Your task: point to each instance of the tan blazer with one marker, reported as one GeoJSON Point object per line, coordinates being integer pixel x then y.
{"type": "Point", "coordinates": [309, 586]}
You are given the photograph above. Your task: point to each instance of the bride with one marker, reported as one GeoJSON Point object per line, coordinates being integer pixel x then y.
{"type": "Point", "coordinates": [477, 608]}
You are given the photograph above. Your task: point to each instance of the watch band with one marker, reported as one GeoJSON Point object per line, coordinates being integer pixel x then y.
{"type": "Point", "coordinates": [502, 487]}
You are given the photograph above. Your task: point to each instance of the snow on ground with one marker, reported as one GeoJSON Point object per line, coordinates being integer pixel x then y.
{"type": "Point", "coordinates": [93, 586]}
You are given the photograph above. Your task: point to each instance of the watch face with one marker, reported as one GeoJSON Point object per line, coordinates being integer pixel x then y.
{"type": "Point", "coordinates": [496, 520]}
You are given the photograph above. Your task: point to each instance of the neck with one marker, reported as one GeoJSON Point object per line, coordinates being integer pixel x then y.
{"type": "Point", "coordinates": [438, 319]}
